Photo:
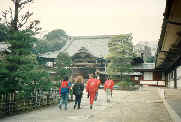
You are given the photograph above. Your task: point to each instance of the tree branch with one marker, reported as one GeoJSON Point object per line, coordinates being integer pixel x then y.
{"type": "Point", "coordinates": [24, 19]}
{"type": "Point", "coordinates": [25, 2]}
{"type": "Point", "coordinates": [11, 13]}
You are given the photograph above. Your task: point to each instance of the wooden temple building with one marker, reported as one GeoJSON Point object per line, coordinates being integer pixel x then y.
{"type": "Point", "coordinates": [145, 73]}
{"type": "Point", "coordinates": [87, 53]}
{"type": "Point", "coordinates": [168, 57]}
{"type": "Point", "coordinates": [167, 68]}
{"type": "Point", "coordinates": [85, 63]}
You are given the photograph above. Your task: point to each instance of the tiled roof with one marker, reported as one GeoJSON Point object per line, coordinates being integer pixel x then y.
{"type": "Point", "coordinates": [96, 45]}
{"type": "Point", "coordinates": [144, 66]}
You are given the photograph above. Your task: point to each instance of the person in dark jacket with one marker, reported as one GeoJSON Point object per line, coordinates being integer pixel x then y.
{"type": "Point", "coordinates": [78, 89]}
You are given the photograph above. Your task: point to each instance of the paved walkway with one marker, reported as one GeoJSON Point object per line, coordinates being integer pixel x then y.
{"type": "Point", "coordinates": [126, 106]}
{"type": "Point", "coordinates": [173, 97]}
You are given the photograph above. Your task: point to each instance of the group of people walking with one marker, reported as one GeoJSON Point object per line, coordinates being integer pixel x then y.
{"type": "Point", "coordinates": [92, 87]}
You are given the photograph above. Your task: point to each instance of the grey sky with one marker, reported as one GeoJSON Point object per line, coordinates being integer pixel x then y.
{"type": "Point", "coordinates": [143, 18]}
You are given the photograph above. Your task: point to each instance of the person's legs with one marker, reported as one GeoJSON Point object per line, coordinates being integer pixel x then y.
{"type": "Point", "coordinates": [92, 97]}
{"type": "Point", "coordinates": [106, 95]}
{"type": "Point", "coordinates": [66, 100]}
{"type": "Point", "coordinates": [96, 95]}
{"type": "Point", "coordinates": [79, 101]}
{"type": "Point", "coordinates": [76, 101]}
{"type": "Point", "coordinates": [108, 92]}
{"type": "Point", "coordinates": [60, 103]}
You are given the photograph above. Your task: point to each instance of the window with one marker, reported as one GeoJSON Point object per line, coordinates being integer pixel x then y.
{"type": "Point", "coordinates": [148, 75]}
{"type": "Point", "coordinates": [136, 78]}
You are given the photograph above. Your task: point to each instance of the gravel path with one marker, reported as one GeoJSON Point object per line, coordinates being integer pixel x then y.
{"type": "Point", "coordinates": [126, 106]}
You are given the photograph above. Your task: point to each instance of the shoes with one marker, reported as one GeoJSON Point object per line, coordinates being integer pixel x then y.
{"type": "Point", "coordinates": [60, 107]}
{"type": "Point", "coordinates": [78, 107]}
{"type": "Point", "coordinates": [108, 101]}
{"type": "Point", "coordinates": [95, 99]}
{"type": "Point", "coordinates": [91, 107]}
{"type": "Point", "coordinates": [74, 107]}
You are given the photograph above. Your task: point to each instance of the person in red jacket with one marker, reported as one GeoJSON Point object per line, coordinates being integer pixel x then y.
{"type": "Point", "coordinates": [91, 88]}
{"type": "Point", "coordinates": [64, 92]}
{"type": "Point", "coordinates": [98, 84]}
{"type": "Point", "coordinates": [108, 86]}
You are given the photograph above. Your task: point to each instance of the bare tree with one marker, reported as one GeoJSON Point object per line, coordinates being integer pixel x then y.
{"type": "Point", "coordinates": [18, 21]}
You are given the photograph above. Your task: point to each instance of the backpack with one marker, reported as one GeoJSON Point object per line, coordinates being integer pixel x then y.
{"type": "Point", "coordinates": [64, 88]}
{"type": "Point", "coordinates": [64, 84]}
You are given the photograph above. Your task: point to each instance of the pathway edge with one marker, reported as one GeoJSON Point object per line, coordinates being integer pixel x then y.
{"type": "Point", "coordinates": [174, 116]}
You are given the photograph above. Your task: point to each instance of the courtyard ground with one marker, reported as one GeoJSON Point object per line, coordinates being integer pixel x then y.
{"type": "Point", "coordinates": [142, 105]}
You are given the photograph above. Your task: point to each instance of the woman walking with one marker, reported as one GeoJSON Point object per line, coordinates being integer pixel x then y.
{"type": "Point", "coordinates": [78, 89]}
{"type": "Point", "coordinates": [108, 86]}
{"type": "Point", "coordinates": [91, 88]}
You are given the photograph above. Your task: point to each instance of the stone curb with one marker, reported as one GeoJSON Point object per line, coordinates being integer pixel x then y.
{"type": "Point", "coordinates": [174, 116]}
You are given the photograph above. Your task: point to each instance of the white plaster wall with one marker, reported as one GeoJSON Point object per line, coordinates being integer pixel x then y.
{"type": "Point", "coordinates": [179, 77]}
{"type": "Point", "coordinates": [148, 76]}
{"type": "Point", "coordinates": [171, 84]}
{"type": "Point", "coordinates": [170, 80]}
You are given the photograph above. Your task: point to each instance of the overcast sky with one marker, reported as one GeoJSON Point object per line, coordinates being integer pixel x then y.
{"type": "Point", "coordinates": [143, 18]}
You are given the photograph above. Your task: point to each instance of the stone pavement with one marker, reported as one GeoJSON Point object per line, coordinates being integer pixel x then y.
{"type": "Point", "coordinates": [126, 106]}
{"type": "Point", "coordinates": [173, 99]}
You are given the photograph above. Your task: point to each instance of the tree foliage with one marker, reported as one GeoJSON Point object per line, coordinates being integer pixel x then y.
{"type": "Point", "coordinates": [120, 54]}
{"type": "Point", "coordinates": [19, 69]}
{"type": "Point", "coordinates": [18, 18]}
{"type": "Point", "coordinates": [150, 59]}
{"type": "Point", "coordinates": [63, 63]}
{"type": "Point", "coordinates": [57, 34]}
{"type": "Point", "coordinates": [53, 41]}
{"type": "Point", "coordinates": [3, 32]}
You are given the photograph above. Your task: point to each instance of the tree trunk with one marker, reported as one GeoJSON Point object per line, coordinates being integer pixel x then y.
{"type": "Point", "coordinates": [15, 21]}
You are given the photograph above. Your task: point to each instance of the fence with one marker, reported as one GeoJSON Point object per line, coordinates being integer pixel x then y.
{"type": "Point", "coordinates": [11, 103]}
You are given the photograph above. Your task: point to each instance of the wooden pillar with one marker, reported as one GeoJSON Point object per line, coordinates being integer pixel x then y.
{"type": "Point", "coordinates": [175, 78]}
{"type": "Point", "coordinates": [166, 79]}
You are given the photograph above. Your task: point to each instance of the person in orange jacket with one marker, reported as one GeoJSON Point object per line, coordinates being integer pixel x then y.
{"type": "Point", "coordinates": [91, 88]}
{"type": "Point", "coordinates": [108, 86]}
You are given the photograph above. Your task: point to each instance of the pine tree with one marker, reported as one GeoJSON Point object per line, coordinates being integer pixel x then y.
{"type": "Point", "coordinates": [19, 69]}
{"type": "Point", "coordinates": [63, 63]}
{"type": "Point", "coordinates": [120, 54]}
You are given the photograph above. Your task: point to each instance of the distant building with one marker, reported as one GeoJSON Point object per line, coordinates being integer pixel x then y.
{"type": "Point", "coordinates": [149, 76]}
{"type": "Point", "coordinates": [144, 49]}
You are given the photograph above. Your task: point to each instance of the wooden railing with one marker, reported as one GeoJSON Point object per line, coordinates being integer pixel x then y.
{"type": "Point", "coordinates": [11, 103]}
